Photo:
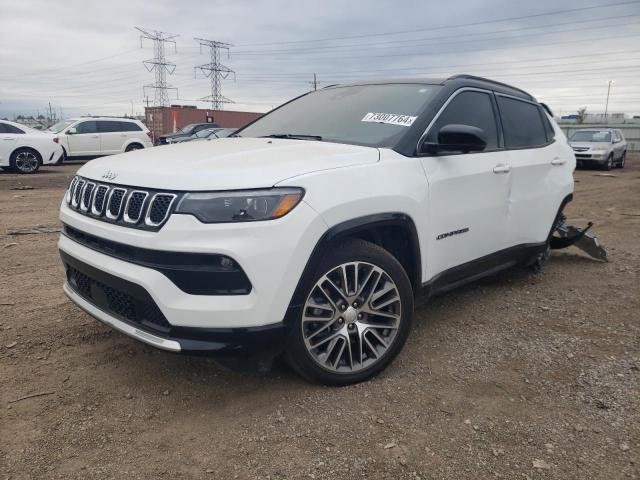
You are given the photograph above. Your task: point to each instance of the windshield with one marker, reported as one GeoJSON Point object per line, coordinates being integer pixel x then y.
{"type": "Point", "coordinates": [205, 132]}
{"type": "Point", "coordinates": [188, 128]}
{"type": "Point", "coordinates": [60, 126]}
{"type": "Point", "coordinates": [370, 115]}
{"type": "Point", "coordinates": [591, 136]}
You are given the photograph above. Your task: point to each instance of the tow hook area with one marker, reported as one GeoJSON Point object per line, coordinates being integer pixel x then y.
{"type": "Point", "coordinates": [566, 235]}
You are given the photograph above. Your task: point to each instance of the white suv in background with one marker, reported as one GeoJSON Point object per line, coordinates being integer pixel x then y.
{"type": "Point", "coordinates": [97, 136]}
{"type": "Point", "coordinates": [311, 231]}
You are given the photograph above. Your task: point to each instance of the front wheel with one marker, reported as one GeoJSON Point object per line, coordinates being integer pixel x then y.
{"type": "Point", "coordinates": [25, 160]}
{"type": "Point", "coordinates": [609, 164]}
{"type": "Point", "coordinates": [356, 316]}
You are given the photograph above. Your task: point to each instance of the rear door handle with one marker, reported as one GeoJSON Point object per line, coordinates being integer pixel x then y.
{"type": "Point", "coordinates": [501, 168]}
{"type": "Point", "coordinates": [558, 161]}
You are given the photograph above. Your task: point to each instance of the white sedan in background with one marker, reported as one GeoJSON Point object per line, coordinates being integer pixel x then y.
{"type": "Point", "coordinates": [24, 149]}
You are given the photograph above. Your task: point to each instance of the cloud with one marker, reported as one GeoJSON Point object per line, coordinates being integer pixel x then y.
{"type": "Point", "coordinates": [85, 57]}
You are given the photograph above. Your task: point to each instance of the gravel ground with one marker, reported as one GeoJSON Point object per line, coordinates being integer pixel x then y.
{"type": "Point", "coordinates": [519, 376]}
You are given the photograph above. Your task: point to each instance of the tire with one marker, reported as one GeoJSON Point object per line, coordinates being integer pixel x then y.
{"type": "Point", "coordinates": [609, 163]}
{"type": "Point", "coordinates": [623, 159]}
{"type": "Point", "coordinates": [25, 160]}
{"type": "Point", "coordinates": [332, 340]}
{"type": "Point", "coordinates": [133, 146]}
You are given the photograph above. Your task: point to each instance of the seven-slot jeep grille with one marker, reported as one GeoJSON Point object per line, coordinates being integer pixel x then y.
{"type": "Point", "coordinates": [131, 207]}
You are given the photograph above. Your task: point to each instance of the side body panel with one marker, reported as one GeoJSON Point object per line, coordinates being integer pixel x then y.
{"type": "Point", "coordinates": [539, 181]}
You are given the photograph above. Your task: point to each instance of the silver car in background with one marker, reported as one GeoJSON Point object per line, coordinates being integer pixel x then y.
{"type": "Point", "coordinates": [604, 147]}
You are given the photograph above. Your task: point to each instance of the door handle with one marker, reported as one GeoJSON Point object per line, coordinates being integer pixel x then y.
{"type": "Point", "coordinates": [558, 161]}
{"type": "Point", "coordinates": [94, 136]}
{"type": "Point", "coordinates": [501, 168]}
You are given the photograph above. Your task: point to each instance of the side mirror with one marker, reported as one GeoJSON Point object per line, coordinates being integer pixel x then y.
{"type": "Point", "coordinates": [72, 131]}
{"type": "Point", "coordinates": [457, 138]}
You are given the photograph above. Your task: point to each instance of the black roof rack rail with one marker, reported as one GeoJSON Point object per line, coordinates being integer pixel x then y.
{"type": "Point", "coordinates": [488, 80]}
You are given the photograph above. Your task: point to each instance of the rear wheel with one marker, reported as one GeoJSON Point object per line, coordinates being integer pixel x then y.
{"type": "Point", "coordinates": [25, 160]}
{"type": "Point", "coordinates": [132, 147]}
{"type": "Point", "coordinates": [356, 316]}
{"type": "Point", "coordinates": [623, 159]}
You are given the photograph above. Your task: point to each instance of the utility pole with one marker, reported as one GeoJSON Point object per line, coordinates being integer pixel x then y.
{"type": "Point", "coordinates": [315, 82]}
{"type": "Point", "coordinates": [606, 108]}
{"type": "Point", "coordinates": [158, 64]}
{"type": "Point", "coordinates": [215, 71]}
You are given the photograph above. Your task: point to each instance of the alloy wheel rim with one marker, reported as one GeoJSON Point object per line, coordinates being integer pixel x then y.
{"type": "Point", "coordinates": [26, 161]}
{"type": "Point", "coordinates": [351, 317]}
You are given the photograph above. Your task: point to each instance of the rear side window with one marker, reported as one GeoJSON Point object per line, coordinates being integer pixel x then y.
{"type": "Point", "coordinates": [469, 108]}
{"type": "Point", "coordinates": [6, 128]}
{"type": "Point", "coordinates": [108, 126]}
{"type": "Point", "coordinates": [522, 123]}
{"type": "Point", "coordinates": [129, 127]}
{"type": "Point", "coordinates": [87, 127]}
{"type": "Point", "coordinates": [551, 134]}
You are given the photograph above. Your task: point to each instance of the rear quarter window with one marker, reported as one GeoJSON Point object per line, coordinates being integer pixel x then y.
{"type": "Point", "coordinates": [129, 127]}
{"type": "Point", "coordinates": [522, 123]}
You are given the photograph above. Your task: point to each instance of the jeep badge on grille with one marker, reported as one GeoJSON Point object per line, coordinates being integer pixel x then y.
{"type": "Point", "coordinates": [109, 175]}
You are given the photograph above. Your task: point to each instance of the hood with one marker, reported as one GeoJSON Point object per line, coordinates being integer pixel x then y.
{"type": "Point", "coordinates": [589, 144]}
{"type": "Point", "coordinates": [226, 164]}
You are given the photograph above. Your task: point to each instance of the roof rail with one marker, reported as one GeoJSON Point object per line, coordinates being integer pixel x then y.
{"type": "Point", "coordinates": [488, 80]}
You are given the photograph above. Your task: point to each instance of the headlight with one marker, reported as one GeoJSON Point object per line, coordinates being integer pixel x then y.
{"type": "Point", "coordinates": [599, 149]}
{"type": "Point", "coordinates": [240, 206]}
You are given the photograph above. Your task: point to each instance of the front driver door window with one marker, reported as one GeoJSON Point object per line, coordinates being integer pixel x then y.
{"type": "Point", "coordinates": [86, 140]}
{"type": "Point", "coordinates": [467, 199]}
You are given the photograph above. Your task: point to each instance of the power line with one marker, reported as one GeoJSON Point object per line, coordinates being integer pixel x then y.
{"type": "Point", "coordinates": [442, 27]}
{"type": "Point", "coordinates": [215, 71]}
{"type": "Point", "coordinates": [158, 64]}
{"type": "Point", "coordinates": [437, 39]}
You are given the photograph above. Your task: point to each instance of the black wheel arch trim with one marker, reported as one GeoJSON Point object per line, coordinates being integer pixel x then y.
{"type": "Point", "coordinates": [350, 228]}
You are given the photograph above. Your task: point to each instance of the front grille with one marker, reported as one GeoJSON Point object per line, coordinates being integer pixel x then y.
{"type": "Point", "coordinates": [86, 196]}
{"type": "Point", "coordinates": [582, 155]}
{"type": "Point", "coordinates": [115, 202]}
{"type": "Point", "coordinates": [131, 207]}
{"type": "Point", "coordinates": [159, 208]}
{"type": "Point", "coordinates": [99, 200]}
{"type": "Point", "coordinates": [118, 303]}
{"type": "Point", "coordinates": [580, 149]}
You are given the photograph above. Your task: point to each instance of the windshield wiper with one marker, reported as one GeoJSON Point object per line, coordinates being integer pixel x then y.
{"type": "Point", "coordinates": [294, 136]}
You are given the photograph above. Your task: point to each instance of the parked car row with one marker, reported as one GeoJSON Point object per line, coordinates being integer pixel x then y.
{"type": "Point", "coordinates": [25, 150]}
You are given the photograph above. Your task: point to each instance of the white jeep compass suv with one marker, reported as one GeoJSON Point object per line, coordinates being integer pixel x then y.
{"type": "Point", "coordinates": [311, 231]}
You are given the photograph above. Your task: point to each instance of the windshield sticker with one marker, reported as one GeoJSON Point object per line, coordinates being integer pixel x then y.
{"type": "Point", "coordinates": [389, 118]}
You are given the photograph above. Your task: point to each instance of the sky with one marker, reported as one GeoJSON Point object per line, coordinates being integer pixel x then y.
{"type": "Point", "coordinates": [85, 57]}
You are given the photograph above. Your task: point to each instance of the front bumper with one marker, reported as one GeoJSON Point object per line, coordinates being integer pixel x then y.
{"type": "Point", "coordinates": [272, 254]}
{"type": "Point", "coordinates": [129, 308]}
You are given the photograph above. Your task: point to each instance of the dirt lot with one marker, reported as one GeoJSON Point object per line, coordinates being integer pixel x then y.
{"type": "Point", "coordinates": [518, 376]}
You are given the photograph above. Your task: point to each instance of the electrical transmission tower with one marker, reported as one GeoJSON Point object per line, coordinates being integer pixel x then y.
{"type": "Point", "coordinates": [159, 65]}
{"type": "Point", "coordinates": [215, 71]}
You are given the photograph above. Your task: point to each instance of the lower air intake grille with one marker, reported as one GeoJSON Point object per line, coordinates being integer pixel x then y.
{"type": "Point", "coordinates": [140, 310]}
